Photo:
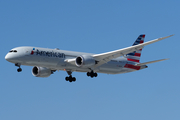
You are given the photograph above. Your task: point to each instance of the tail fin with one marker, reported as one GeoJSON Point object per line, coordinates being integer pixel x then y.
{"type": "Point", "coordinates": [135, 56]}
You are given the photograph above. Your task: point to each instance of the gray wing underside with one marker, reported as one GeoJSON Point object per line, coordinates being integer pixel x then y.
{"type": "Point", "coordinates": [106, 57]}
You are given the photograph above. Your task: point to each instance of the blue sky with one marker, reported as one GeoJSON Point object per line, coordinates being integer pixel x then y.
{"type": "Point", "coordinates": [94, 26]}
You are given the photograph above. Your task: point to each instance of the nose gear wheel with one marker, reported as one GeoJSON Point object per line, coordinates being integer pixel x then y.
{"type": "Point", "coordinates": [18, 65]}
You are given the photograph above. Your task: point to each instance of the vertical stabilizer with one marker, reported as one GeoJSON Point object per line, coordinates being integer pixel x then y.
{"type": "Point", "coordinates": [135, 56]}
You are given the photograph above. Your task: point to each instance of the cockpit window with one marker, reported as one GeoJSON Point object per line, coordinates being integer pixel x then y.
{"type": "Point", "coordinates": [13, 51]}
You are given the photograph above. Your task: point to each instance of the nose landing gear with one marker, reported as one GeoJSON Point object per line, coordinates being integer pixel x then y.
{"type": "Point", "coordinates": [18, 65]}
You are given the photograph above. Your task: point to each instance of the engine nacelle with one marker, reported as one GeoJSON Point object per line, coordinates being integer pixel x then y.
{"type": "Point", "coordinates": [85, 61]}
{"type": "Point", "coordinates": [41, 71]}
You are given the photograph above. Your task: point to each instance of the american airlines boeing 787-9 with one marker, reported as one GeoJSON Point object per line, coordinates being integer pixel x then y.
{"type": "Point", "coordinates": [47, 61]}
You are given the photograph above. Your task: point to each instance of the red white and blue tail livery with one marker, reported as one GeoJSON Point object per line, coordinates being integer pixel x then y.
{"type": "Point", "coordinates": [135, 56]}
{"type": "Point", "coordinates": [47, 61]}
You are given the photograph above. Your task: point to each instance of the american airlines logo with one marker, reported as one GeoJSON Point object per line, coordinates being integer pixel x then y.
{"type": "Point", "coordinates": [47, 53]}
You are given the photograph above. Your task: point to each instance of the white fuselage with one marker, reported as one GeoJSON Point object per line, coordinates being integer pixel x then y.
{"type": "Point", "coordinates": [55, 59]}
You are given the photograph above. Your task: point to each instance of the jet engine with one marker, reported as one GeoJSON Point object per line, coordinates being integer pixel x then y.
{"type": "Point", "coordinates": [85, 61]}
{"type": "Point", "coordinates": [41, 71]}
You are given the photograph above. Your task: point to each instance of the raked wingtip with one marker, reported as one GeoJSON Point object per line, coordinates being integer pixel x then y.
{"type": "Point", "coordinates": [172, 35]}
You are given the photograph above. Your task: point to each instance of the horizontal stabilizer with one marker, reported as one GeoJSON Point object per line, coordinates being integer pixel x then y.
{"type": "Point", "coordinates": [140, 64]}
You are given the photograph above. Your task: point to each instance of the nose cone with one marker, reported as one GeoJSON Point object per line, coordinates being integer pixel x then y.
{"type": "Point", "coordinates": [9, 57]}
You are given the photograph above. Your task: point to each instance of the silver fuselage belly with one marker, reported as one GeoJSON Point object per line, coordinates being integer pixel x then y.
{"type": "Point", "coordinates": [55, 60]}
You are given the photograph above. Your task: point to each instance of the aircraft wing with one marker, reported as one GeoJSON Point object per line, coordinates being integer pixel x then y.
{"type": "Point", "coordinates": [106, 57]}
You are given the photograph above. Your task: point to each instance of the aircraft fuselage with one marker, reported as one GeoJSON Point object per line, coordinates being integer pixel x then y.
{"type": "Point", "coordinates": [55, 60]}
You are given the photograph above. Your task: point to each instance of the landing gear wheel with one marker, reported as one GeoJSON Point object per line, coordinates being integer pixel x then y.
{"type": "Point", "coordinates": [19, 69]}
{"type": "Point", "coordinates": [67, 78]}
{"type": "Point", "coordinates": [92, 74]}
{"type": "Point", "coordinates": [95, 74]}
{"type": "Point", "coordinates": [70, 78]}
{"type": "Point", "coordinates": [74, 79]}
{"type": "Point", "coordinates": [88, 74]}
{"type": "Point", "coordinates": [18, 65]}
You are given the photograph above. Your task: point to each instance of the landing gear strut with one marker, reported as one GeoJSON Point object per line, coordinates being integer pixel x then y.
{"type": "Point", "coordinates": [92, 74]}
{"type": "Point", "coordinates": [70, 78]}
{"type": "Point", "coordinates": [18, 65]}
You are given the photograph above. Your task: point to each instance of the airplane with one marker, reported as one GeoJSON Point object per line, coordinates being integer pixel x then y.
{"type": "Point", "coordinates": [46, 61]}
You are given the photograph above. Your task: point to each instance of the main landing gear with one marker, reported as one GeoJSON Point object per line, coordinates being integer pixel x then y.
{"type": "Point", "coordinates": [73, 79]}
{"type": "Point", "coordinates": [18, 65]}
{"type": "Point", "coordinates": [70, 78]}
{"type": "Point", "coordinates": [92, 74]}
